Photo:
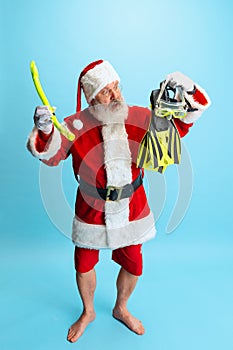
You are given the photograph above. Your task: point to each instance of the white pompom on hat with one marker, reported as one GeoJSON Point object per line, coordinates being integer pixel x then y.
{"type": "Point", "coordinates": [93, 79]}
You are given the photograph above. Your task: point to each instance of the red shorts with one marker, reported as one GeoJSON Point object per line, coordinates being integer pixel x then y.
{"type": "Point", "coordinates": [130, 258]}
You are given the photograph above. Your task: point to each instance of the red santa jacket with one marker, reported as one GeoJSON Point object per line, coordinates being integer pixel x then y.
{"type": "Point", "coordinates": [105, 154]}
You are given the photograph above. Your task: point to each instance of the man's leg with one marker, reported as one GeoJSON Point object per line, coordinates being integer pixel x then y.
{"type": "Point", "coordinates": [86, 283]}
{"type": "Point", "coordinates": [130, 258]}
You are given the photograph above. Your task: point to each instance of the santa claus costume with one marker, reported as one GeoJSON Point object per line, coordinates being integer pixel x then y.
{"type": "Point", "coordinates": [111, 209]}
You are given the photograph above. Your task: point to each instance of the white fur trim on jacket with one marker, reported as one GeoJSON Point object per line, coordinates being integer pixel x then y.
{"type": "Point", "coordinates": [194, 116]}
{"type": "Point", "coordinates": [117, 161]}
{"type": "Point", "coordinates": [100, 236]}
{"type": "Point", "coordinates": [54, 144]}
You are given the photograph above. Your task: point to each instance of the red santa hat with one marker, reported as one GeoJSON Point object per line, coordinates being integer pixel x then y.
{"type": "Point", "coordinates": [94, 78]}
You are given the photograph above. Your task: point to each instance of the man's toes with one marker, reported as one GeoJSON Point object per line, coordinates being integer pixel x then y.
{"type": "Point", "coordinates": [141, 331]}
{"type": "Point", "coordinates": [71, 334]}
{"type": "Point", "coordinates": [72, 338]}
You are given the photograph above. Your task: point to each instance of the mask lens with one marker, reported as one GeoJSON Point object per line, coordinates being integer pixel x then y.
{"type": "Point", "coordinates": [164, 112]}
{"type": "Point", "coordinates": [161, 112]}
{"type": "Point", "coordinates": [179, 114]}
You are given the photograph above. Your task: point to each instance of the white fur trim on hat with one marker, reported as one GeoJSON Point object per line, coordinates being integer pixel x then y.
{"type": "Point", "coordinates": [97, 78]}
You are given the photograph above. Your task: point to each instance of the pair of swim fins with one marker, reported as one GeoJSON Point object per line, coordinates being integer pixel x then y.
{"type": "Point", "coordinates": [161, 145]}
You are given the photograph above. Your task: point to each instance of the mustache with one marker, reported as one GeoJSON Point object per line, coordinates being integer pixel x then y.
{"type": "Point", "coordinates": [116, 101]}
{"type": "Point", "coordinates": [114, 112]}
{"type": "Point", "coordinates": [113, 105]}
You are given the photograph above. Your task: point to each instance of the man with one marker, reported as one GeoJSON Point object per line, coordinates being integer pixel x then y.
{"type": "Point", "coordinates": [111, 209]}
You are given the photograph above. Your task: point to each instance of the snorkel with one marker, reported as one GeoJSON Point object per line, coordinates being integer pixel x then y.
{"type": "Point", "coordinates": [35, 77]}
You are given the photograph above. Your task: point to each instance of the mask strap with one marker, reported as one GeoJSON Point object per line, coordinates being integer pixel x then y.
{"type": "Point", "coordinates": [162, 89]}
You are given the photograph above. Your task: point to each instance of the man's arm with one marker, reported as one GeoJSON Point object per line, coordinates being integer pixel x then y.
{"type": "Point", "coordinates": [45, 142]}
{"type": "Point", "coordinates": [196, 98]}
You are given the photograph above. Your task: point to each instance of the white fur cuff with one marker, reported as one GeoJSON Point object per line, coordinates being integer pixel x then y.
{"type": "Point", "coordinates": [53, 146]}
{"type": "Point", "coordinates": [195, 104]}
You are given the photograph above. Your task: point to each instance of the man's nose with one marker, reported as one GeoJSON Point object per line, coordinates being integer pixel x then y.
{"type": "Point", "coordinates": [114, 95]}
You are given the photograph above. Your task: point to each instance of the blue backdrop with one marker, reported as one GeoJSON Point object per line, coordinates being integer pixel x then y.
{"type": "Point", "coordinates": [185, 295]}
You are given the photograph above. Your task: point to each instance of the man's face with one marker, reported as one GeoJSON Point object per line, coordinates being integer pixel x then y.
{"type": "Point", "coordinates": [108, 94]}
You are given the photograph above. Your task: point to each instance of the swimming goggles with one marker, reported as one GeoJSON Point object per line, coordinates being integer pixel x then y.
{"type": "Point", "coordinates": [166, 109]}
{"type": "Point", "coordinates": [170, 107]}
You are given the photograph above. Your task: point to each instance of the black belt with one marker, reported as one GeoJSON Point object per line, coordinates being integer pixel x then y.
{"type": "Point", "coordinates": [111, 193]}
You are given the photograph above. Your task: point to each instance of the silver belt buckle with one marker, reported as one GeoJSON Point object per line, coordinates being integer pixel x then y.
{"type": "Point", "coordinates": [112, 188]}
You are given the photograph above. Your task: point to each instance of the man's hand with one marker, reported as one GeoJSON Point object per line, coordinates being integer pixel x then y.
{"type": "Point", "coordinates": [42, 119]}
{"type": "Point", "coordinates": [179, 79]}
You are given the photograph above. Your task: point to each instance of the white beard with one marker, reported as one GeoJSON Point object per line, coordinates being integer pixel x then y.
{"type": "Point", "coordinates": [114, 112]}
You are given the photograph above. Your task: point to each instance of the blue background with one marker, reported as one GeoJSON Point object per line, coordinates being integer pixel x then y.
{"type": "Point", "coordinates": [184, 297]}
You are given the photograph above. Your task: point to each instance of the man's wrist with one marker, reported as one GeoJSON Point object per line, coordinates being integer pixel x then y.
{"type": "Point", "coordinates": [192, 92]}
{"type": "Point", "coordinates": [45, 136]}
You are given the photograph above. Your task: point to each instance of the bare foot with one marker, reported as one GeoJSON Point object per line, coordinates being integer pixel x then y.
{"type": "Point", "coordinates": [77, 329]}
{"type": "Point", "coordinates": [129, 321]}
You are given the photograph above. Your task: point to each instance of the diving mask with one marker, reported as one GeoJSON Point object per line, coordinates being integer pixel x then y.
{"type": "Point", "coordinates": [166, 106]}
